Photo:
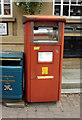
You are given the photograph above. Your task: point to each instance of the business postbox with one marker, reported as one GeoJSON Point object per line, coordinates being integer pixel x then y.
{"type": "Point", "coordinates": [44, 39]}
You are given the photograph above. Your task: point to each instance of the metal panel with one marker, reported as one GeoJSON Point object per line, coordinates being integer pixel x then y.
{"type": "Point", "coordinates": [44, 84]}
{"type": "Point", "coordinates": [11, 77]}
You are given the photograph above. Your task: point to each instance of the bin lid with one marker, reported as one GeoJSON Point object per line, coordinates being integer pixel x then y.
{"type": "Point", "coordinates": [11, 54]}
{"type": "Point", "coordinates": [27, 18]}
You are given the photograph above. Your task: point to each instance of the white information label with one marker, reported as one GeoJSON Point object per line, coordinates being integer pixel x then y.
{"type": "Point", "coordinates": [45, 56]}
{"type": "Point", "coordinates": [3, 28]}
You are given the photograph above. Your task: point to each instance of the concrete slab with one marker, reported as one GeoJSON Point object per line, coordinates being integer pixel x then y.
{"type": "Point", "coordinates": [71, 81]}
{"type": "Point", "coordinates": [66, 91]}
{"type": "Point", "coordinates": [69, 106]}
{"type": "Point", "coordinates": [71, 85]}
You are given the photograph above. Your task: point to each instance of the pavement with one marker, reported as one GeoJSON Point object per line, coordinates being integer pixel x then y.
{"type": "Point", "coordinates": [68, 107]}
{"type": "Point", "coordinates": [71, 81]}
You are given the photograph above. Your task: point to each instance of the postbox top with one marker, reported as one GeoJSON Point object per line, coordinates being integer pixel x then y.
{"type": "Point", "coordinates": [27, 18]}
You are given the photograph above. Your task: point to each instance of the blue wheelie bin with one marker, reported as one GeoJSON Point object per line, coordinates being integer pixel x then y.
{"type": "Point", "coordinates": [11, 75]}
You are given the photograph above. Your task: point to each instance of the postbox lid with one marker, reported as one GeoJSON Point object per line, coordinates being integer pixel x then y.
{"type": "Point", "coordinates": [27, 18]}
{"type": "Point", "coordinates": [11, 54]}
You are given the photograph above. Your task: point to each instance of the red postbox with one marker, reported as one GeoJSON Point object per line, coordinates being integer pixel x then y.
{"type": "Point", "coordinates": [43, 47]}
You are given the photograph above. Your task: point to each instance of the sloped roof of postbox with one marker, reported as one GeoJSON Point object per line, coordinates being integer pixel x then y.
{"type": "Point", "coordinates": [27, 18]}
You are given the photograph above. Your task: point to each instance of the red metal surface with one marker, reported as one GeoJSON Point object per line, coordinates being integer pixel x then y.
{"type": "Point", "coordinates": [27, 60]}
{"type": "Point", "coordinates": [27, 18]}
{"type": "Point", "coordinates": [61, 61]}
{"type": "Point", "coordinates": [42, 90]}
{"type": "Point", "coordinates": [45, 89]}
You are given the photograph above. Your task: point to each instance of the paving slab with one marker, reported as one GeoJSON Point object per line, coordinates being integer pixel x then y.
{"type": "Point", "coordinates": [69, 106]}
{"type": "Point", "coordinates": [71, 74]}
{"type": "Point", "coordinates": [75, 90]}
{"type": "Point", "coordinates": [71, 81]}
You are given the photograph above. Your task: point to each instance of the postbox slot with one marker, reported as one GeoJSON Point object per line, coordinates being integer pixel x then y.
{"type": "Point", "coordinates": [9, 62]}
{"type": "Point", "coordinates": [46, 32]}
{"type": "Point", "coordinates": [37, 27]}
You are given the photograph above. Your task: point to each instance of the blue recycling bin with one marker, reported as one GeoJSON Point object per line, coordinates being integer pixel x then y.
{"type": "Point", "coordinates": [11, 75]}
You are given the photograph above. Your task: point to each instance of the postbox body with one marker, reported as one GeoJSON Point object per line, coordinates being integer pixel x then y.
{"type": "Point", "coordinates": [44, 38]}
